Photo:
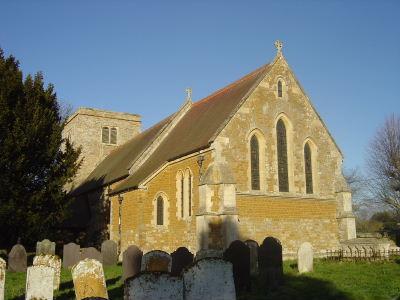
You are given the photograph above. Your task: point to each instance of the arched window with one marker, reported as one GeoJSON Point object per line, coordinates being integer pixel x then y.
{"type": "Point", "coordinates": [160, 210]}
{"type": "Point", "coordinates": [279, 88]}
{"type": "Point", "coordinates": [254, 163]}
{"type": "Point", "coordinates": [281, 140]}
{"type": "Point", "coordinates": [308, 168]}
{"type": "Point", "coordinates": [190, 194]}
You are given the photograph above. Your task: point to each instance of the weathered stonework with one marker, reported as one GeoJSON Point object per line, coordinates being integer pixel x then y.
{"type": "Point", "coordinates": [39, 283]}
{"type": "Point", "coordinates": [52, 261]}
{"type": "Point", "coordinates": [2, 277]}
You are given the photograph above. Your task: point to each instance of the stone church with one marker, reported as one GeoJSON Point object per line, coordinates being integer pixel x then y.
{"type": "Point", "coordinates": [254, 159]}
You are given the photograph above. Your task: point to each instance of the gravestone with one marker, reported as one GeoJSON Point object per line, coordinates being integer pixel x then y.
{"type": "Point", "coordinates": [181, 258]}
{"type": "Point", "coordinates": [2, 277]}
{"type": "Point", "coordinates": [209, 278]}
{"type": "Point", "coordinates": [270, 262]}
{"type": "Point", "coordinates": [45, 247]}
{"type": "Point", "coordinates": [208, 253]}
{"type": "Point", "coordinates": [253, 246]}
{"type": "Point", "coordinates": [131, 262]}
{"type": "Point", "coordinates": [305, 258]}
{"type": "Point", "coordinates": [89, 281]}
{"type": "Point", "coordinates": [156, 261]}
{"type": "Point", "coordinates": [39, 283]}
{"type": "Point", "coordinates": [52, 261]}
{"type": "Point", "coordinates": [109, 252]}
{"type": "Point", "coordinates": [239, 255]}
{"type": "Point", "coordinates": [71, 255]}
{"type": "Point", "coordinates": [17, 259]}
{"type": "Point", "coordinates": [147, 286]}
{"type": "Point", "coordinates": [91, 253]}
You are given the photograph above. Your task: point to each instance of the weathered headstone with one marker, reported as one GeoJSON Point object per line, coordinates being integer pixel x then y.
{"type": "Point", "coordinates": [305, 258]}
{"type": "Point", "coordinates": [148, 286]}
{"type": "Point", "coordinates": [89, 280]}
{"type": "Point", "coordinates": [270, 262]}
{"type": "Point", "coordinates": [239, 255]}
{"type": "Point", "coordinates": [52, 261]}
{"type": "Point", "coordinates": [253, 246]}
{"type": "Point", "coordinates": [17, 259]}
{"type": "Point", "coordinates": [2, 277]}
{"type": "Point", "coordinates": [208, 253]}
{"type": "Point", "coordinates": [71, 255]}
{"type": "Point", "coordinates": [39, 283]}
{"type": "Point", "coordinates": [45, 247]}
{"type": "Point", "coordinates": [181, 258]}
{"type": "Point", "coordinates": [131, 261]}
{"type": "Point", "coordinates": [156, 261]}
{"type": "Point", "coordinates": [209, 278]}
{"type": "Point", "coordinates": [109, 251]}
{"type": "Point", "coordinates": [91, 253]}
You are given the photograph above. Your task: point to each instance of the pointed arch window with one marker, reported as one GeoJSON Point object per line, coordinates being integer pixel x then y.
{"type": "Point", "coordinates": [182, 195]}
{"type": "Point", "coordinates": [280, 88]}
{"type": "Point", "coordinates": [160, 210]}
{"type": "Point", "coordinates": [190, 194]}
{"type": "Point", "coordinates": [255, 163]}
{"type": "Point", "coordinates": [308, 168]}
{"type": "Point", "coordinates": [281, 137]}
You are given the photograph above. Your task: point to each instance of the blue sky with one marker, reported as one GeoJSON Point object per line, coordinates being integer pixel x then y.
{"type": "Point", "coordinates": [139, 56]}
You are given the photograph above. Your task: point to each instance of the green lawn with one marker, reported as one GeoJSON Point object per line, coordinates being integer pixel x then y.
{"type": "Point", "coordinates": [330, 280]}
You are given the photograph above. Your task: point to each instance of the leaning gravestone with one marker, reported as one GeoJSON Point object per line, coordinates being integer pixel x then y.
{"type": "Point", "coordinates": [147, 286]}
{"type": "Point", "coordinates": [17, 259]}
{"type": "Point", "coordinates": [253, 246]}
{"type": "Point", "coordinates": [156, 261]}
{"type": "Point", "coordinates": [181, 258]}
{"type": "Point", "coordinates": [109, 251]}
{"type": "Point", "coordinates": [45, 247]}
{"type": "Point", "coordinates": [39, 283]}
{"type": "Point", "coordinates": [131, 261]}
{"type": "Point", "coordinates": [209, 278]}
{"type": "Point", "coordinates": [89, 281]}
{"type": "Point", "coordinates": [2, 277]}
{"type": "Point", "coordinates": [270, 262]}
{"type": "Point", "coordinates": [91, 253]}
{"type": "Point", "coordinates": [239, 255]}
{"type": "Point", "coordinates": [305, 258]}
{"type": "Point", "coordinates": [52, 261]}
{"type": "Point", "coordinates": [71, 255]}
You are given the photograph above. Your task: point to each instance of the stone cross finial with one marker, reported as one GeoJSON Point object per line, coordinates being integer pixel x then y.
{"type": "Point", "coordinates": [188, 94]}
{"type": "Point", "coordinates": [278, 46]}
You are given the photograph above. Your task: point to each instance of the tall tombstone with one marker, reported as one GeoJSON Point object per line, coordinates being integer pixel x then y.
{"type": "Point", "coordinates": [89, 280]}
{"type": "Point", "coordinates": [109, 251]}
{"type": "Point", "coordinates": [91, 253]}
{"type": "Point", "coordinates": [52, 261]}
{"type": "Point", "coordinates": [181, 258]}
{"type": "Point", "coordinates": [17, 259]}
{"type": "Point", "coordinates": [270, 262]}
{"type": "Point", "coordinates": [45, 247]}
{"type": "Point", "coordinates": [239, 256]}
{"type": "Point", "coordinates": [71, 255]}
{"type": "Point", "coordinates": [39, 283]}
{"type": "Point", "coordinates": [305, 258]}
{"type": "Point", "coordinates": [156, 261]}
{"type": "Point", "coordinates": [253, 246]}
{"type": "Point", "coordinates": [147, 286]}
{"type": "Point", "coordinates": [209, 278]}
{"type": "Point", "coordinates": [131, 261]}
{"type": "Point", "coordinates": [2, 277]}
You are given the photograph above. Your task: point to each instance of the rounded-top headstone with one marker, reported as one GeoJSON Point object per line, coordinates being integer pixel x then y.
{"type": "Point", "coordinates": [52, 261]}
{"type": "Point", "coordinates": [45, 247]}
{"type": "Point", "coordinates": [181, 258]}
{"type": "Point", "coordinates": [239, 255]}
{"type": "Point", "coordinates": [109, 251]}
{"type": "Point", "coordinates": [71, 255]}
{"type": "Point", "coordinates": [156, 261]}
{"type": "Point", "coordinates": [131, 261]}
{"type": "Point", "coordinates": [91, 253]}
{"type": "Point", "coordinates": [17, 259]}
{"type": "Point", "coordinates": [305, 258]}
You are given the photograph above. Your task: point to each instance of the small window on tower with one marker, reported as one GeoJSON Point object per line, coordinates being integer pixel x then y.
{"type": "Point", "coordinates": [113, 136]}
{"type": "Point", "coordinates": [105, 135]}
{"type": "Point", "coordinates": [279, 88]}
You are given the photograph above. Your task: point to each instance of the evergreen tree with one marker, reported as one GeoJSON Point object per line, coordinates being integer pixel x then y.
{"type": "Point", "coordinates": [35, 161]}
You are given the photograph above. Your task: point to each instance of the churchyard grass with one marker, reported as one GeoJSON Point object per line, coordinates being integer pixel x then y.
{"type": "Point", "coordinates": [330, 280]}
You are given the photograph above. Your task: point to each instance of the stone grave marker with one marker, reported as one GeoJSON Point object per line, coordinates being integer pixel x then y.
{"type": "Point", "coordinates": [156, 261]}
{"type": "Point", "coordinates": [181, 258]}
{"type": "Point", "coordinates": [71, 255]}
{"type": "Point", "coordinates": [89, 280]}
{"type": "Point", "coordinates": [91, 253]}
{"type": "Point", "coordinates": [148, 286]}
{"type": "Point", "coordinates": [209, 278]}
{"type": "Point", "coordinates": [208, 253]}
{"type": "Point", "coordinates": [2, 277]}
{"type": "Point", "coordinates": [109, 252]}
{"type": "Point", "coordinates": [239, 256]}
{"type": "Point", "coordinates": [45, 247]}
{"type": "Point", "coordinates": [270, 262]}
{"type": "Point", "coordinates": [52, 261]}
{"type": "Point", "coordinates": [253, 246]}
{"type": "Point", "coordinates": [17, 259]}
{"type": "Point", "coordinates": [39, 283]}
{"type": "Point", "coordinates": [131, 261]}
{"type": "Point", "coordinates": [305, 258]}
